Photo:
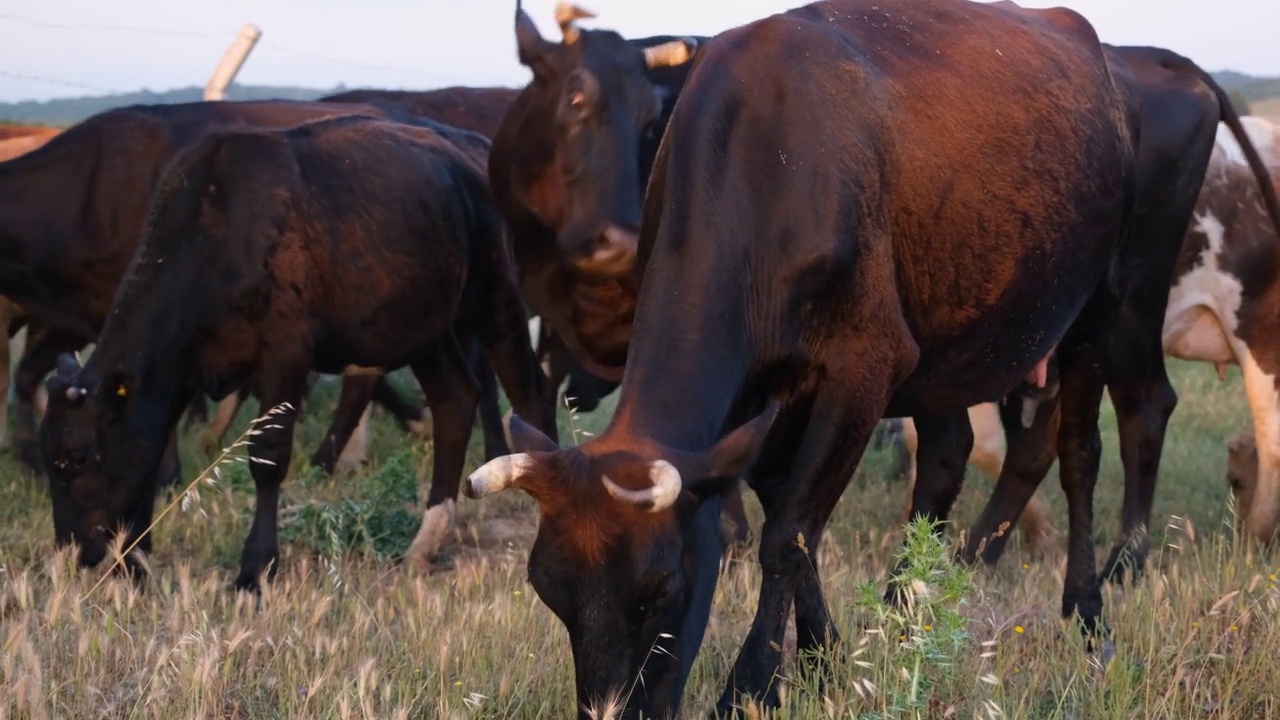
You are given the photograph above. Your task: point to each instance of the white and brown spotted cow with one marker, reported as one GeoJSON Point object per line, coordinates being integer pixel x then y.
{"type": "Point", "coordinates": [1224, 308]}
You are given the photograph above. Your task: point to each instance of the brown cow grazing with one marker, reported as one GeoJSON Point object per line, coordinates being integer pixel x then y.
{"type": "Point", "coordinates": [568, 169]}
{"type": "Point", "coordinates": [71, 213]}
{"type": "Point", "coordinates": [803, 278]}
{"type": "Point", "coordinates": [478, 110]}
{"type": "Point", "coordinates": [1185, 317]}
{"type": "Point", "coordinates": [267, 254]}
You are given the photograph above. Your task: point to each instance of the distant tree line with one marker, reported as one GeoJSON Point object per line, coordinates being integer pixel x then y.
{"type": "Point", "coordinates": [62, 112]}
{"type": "Point", "coordinates": [1243, 90]}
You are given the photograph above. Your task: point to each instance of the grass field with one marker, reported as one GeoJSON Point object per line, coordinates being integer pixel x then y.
{"type": "Point", "coordinates": [1269, 109]}
{"type": "Point", "coordinates": [345, 632]}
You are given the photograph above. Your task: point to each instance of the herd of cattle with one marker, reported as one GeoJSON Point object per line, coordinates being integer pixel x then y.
{"type": "Point", "coordinates": [767, 241]}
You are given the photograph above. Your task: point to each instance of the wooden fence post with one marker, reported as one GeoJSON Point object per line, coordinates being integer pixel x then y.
{"type": "Point", "coordinates": [231, 62]}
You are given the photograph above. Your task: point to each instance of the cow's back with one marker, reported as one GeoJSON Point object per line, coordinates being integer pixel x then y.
{"type": "Point", "coordinates": [478, 109]}
{"type": "Point", "coordinates": [390, 201]}
{"type": "Point", "coordinates": [970, 166]}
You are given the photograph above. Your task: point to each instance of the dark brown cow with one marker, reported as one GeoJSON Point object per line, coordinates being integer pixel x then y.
{"type": "Point", "coordinates": [72, 211]}
{"type": "Point", "coordinates": [857, 211]}
{"type": "Point", "coordinates": [268, 254]}
{"type": "Point", "coordinates": [478, 110]}
{"type": "Point", "coordinates": [568, 169]}
{"type": "Point", "coordinates": [482, 110]}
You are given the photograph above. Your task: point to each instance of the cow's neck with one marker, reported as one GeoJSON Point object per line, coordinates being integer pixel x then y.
{"type": "Point", "coordinates": [151, 337]}
{"type": "Point", "coordinates": [689, 359]}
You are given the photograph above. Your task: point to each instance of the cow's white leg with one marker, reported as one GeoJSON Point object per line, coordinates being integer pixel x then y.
{"type": "Point", "coordinates": [1264, 404]}
{"type": "Point", "coordinates": [357, 447]}
{"type": "Point", "coordinates": [222, 418]}
{"type": "Point", "coordinates": [911, 441]}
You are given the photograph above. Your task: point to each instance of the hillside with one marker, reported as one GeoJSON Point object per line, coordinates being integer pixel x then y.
{"type": "Point", "coordinates": [1251, 88]}
{"type": "Point", "coordinates": [67, 111]}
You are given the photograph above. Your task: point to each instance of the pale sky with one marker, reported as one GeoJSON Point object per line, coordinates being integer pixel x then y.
{"type": "Point", "coordinates": [431, 43]}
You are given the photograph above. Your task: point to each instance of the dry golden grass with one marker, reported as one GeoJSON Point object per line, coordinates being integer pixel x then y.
{"type": "Point", "coordinates": [1269, 109]}
{"type": "Point", "coordinates": [344, 634]}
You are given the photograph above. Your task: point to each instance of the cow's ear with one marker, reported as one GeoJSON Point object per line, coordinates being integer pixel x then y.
{"type": "Point", "coordinates": [523, 437]}
{"type": "Point", "coordinates": [533, 50]}
{"type": "Point", "coordinates": [115, 393]}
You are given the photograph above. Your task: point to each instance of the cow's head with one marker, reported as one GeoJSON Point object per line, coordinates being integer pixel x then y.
{"type": "Point", "coordinates": [627, 553]}
{"type": "Point", "coordinates": [588, 124]}
{"type": "Point", "coordinates": [1242, 471]}
{"type": "Point", "coordinates": [96, 494]}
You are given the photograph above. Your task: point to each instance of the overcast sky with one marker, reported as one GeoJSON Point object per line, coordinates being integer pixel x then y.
{"type": "Point", "coordinates": [429, 43]}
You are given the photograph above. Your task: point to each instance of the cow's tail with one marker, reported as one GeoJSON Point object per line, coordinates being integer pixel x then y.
{"type": "Point", "coordinates": [1232, 120]}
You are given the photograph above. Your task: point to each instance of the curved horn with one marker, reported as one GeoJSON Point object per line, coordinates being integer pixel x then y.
{"type": "Point", "coordinates": [670, 54]}
{"type": "Point", "coordinates": [566, 13]}
{"type": "Point", "coordinates": [660, 496]}
{"type": "Point", "coordinates": [498, 474]}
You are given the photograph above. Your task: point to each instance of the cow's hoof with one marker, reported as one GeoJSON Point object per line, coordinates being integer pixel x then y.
{"type": "Point", "coordinates": [1102, 648]}
{"type": "Point", "coordinates": [1122, 568]}
{"type": "Point", "coordinates": [250, 581]}
{"type": "Point", "coordinates": [437, 522]}
{"type": "Point", "coordinates": [741, 706]}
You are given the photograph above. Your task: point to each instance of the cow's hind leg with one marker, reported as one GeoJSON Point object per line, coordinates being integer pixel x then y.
{"type": "Point", "coordinates": [451, 390]}
{"type": "Point", "coordinates": [197, 411]}
{"type": "Point", "coordinates": [1144, 399]}
{"type": "Point", "coordinates": [796, 513]}
{"type": "Point", "coordinates": [408, 414]}
{"type": "Point", "coordinates": [734, 512]}
{"type": "Point", "coordinates": [945, 442]}
{"type": "Point", "coordinates": [357, 392]}
{"type": "Point", "coordinates": [495, 439]}
{"type": "Point", "coordinates": [269, 454]}
{"type": "Point", "coordinates": [1079, 455]}
{"type": "Point", "coordinates": [214, 434]}
{"type": "Point", "coordinates": [1031, 450]}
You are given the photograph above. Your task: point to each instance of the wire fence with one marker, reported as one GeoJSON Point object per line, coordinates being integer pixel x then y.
{"type": "Point", "coordinates": [225, 36]}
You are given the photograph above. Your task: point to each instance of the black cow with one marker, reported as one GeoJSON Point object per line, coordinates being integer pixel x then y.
{"type": "Point", "coordinates": [72, 211]}
{"type": "Point", "coordinates": [267, 254]}
{"type": "Point", "coordinates": [479, 110]}
{"type": "Point", "coordinates": [858, 211]}
{"type": "Point", "coordinates": [1182, 106]}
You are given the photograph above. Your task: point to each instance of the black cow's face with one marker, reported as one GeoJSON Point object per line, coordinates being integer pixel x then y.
{"type": "Point", "coordinates": [96, 466]}
{"type": "Point", "coordinates": [627, 556]}
{"type": "Point", "coordinates": [603, 103]}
